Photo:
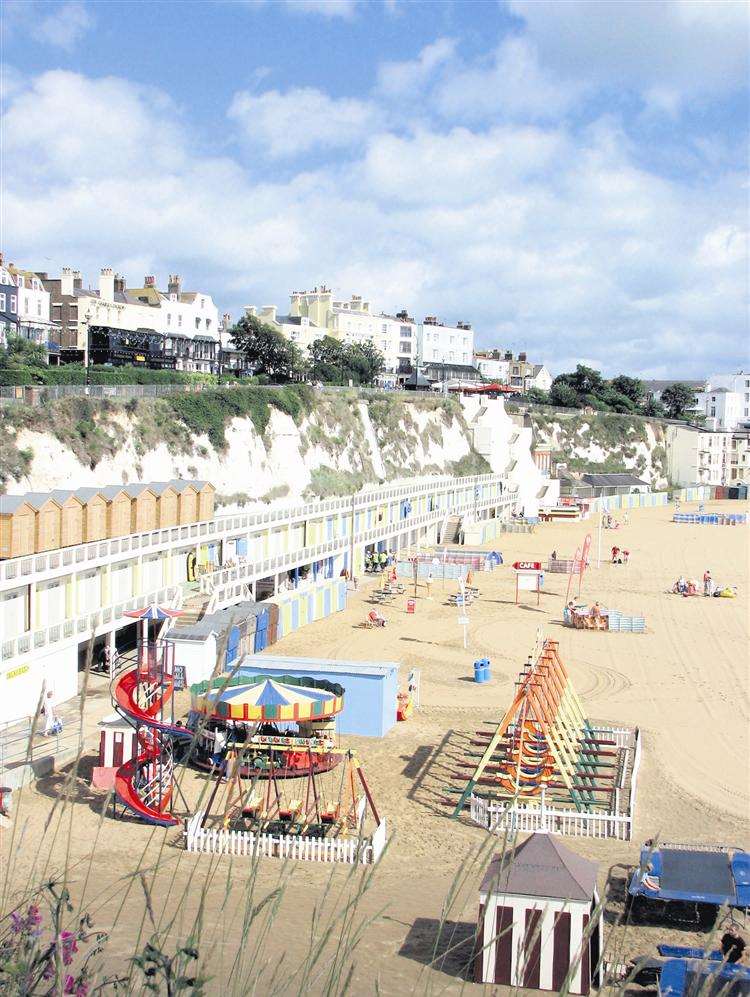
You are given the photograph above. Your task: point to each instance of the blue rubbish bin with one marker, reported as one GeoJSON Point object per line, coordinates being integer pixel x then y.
{"type": "Point", "coordinates": [482, 670]}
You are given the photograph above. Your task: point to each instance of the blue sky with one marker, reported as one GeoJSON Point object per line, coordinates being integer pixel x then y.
{"type": "Point", "coordinates": [570, 177]}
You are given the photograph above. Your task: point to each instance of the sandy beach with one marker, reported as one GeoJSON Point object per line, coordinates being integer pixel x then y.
{"type": "Point", "coordinates": [684, 683]}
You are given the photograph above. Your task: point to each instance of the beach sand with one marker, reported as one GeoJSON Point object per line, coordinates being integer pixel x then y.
{"type": "Point", "coordinates": [684, 683]}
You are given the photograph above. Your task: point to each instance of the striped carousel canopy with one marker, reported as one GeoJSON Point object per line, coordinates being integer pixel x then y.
{"type": "Point", "coordinates": [259, 698]}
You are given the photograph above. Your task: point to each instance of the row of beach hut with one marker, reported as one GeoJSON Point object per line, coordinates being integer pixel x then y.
{"type": "Point", "coordinates": [41, 521]}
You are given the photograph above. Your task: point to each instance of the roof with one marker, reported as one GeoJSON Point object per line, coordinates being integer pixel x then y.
{"type": "Point", "coordinates": [37, 499]}
{"type": "Point", "coordinates": [63, 494]}
{"type": "Point", "coordinates": [272, 662]}
{"type": "Point", "coordinates": [9, 503]}
{"type": "Point", "coordinates": [542, 867]}
{"type": "Point", "coordinates": [415, 379]}
{"type": "Point", "coordinates": [598, 480]}
{"type": "Point", "coordinates": [216, 623]}
{"type": "Point", "coordinates": [449, 365]}
{"type": "Point", "coordinates": [660, 385]}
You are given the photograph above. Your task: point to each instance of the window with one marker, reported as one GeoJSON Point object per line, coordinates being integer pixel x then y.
{"type": "Point", "coordinates": [2, 302]}
{"type": "Point", "coordinates": [404, 347]}
{"type": "Point", "coordinates": [405, 332]}
{"type": "Point", "coordinates": [169, 319]}
{"type": "Point", "coordinates": [179, 321]}
{"type": "Point", "coordinates": [452, 340]}
{"type": "Point", "coordinates": [26, 304]}
{"type": "Point", "coordinates": [39, 308]}
{"type": "Point", "coordinates": [197, 323]}
{"type": "Point", "coordinates": [203, 302]}
{"type": "Point", "coordinates": [384, 327]}
{"type": "Point", "coordinates": [13, 303]}
{"type": "Point", "coordinates": [208, 323]}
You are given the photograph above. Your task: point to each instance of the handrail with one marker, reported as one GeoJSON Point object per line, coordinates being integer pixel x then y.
{"type": "Point", "coordinates": [93, 553]}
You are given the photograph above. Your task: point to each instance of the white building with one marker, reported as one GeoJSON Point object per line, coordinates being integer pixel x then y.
{"type": "Point", "coordinates": [445, 344]}
{"type": "Point", "coordinates": [34, 309]}
{"type": "Point", "coordinates": [402, 341]}
{"type": "Point", "coordinates": [704, 457]}
{"type": "Point", "coordinates": [492, 369]}
{"type": "Point", "coordinates": [179, 327]}
{"type": "Point", "coordinates": [54, 602]}
{"type": "Point", "coordinates": [725, 402]}
{"type": "Point", "coordinates": [508, 448]}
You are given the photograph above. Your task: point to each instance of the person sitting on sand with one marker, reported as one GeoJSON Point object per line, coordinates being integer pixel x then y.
{"type": "Point", "coordinates": [707, 582]}
{"type": "Point", "coordinates": [733, 945]}
{"type": "Point", "coordinates": [553, 556]}
{"type": "Point", "coordinates": [615, 552]}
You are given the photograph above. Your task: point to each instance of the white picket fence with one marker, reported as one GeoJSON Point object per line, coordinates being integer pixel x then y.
{"type": "Point", "coordinates": [217, 841]}
{"type": "Point", "coordinates": [524, 817]}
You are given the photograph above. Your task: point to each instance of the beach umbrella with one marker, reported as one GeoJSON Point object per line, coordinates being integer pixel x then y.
{"type": "Point", "coordinates": [153, 612]}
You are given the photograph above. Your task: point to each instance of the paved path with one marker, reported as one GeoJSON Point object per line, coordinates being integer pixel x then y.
{"type": "Point", "coordinates": [23, 758]}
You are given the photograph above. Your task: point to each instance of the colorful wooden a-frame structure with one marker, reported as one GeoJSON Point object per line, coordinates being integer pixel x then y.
{"type": "Point", "coordinates": [544, 743]}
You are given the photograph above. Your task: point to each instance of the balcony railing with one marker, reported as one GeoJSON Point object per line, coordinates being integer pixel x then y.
{"type": "Point", "coordinates": [25, 569]}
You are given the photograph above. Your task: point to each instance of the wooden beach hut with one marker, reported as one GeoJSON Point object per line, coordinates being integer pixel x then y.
{"type": "Point", "coordinates": [17, 524]}
{"type": "Point", "coordinates": [536, 906]}
{"type": "Point", "coordinates": [48, 522]}
{"type": "Point", "coordinates": [143, 511]}
{"type": "Point", "coordinates": [94, 514]}
{"type": "Point", "coordinates": [187, 501]}
{"type": "Point", "coordinates": [166, 504]}
{"type": "Point", "coordinates": [71, 526]}
{"type": "Point", "coordinates": [206, 493]}
{"type": "Point", "coordinates": [119, 505]}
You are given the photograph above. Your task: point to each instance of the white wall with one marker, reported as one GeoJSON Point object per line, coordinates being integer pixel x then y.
{"type": "Point", "coordinates": [197, 657]}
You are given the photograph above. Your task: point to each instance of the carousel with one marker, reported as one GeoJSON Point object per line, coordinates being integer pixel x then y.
{"type": "Point", "coordinates": [281, 727]}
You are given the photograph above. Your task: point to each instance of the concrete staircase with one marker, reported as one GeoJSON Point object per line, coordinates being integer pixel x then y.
{"type": "Point", "coordinates": [451, 530]}
{"type": "Point", "coordinates": [192, 611]}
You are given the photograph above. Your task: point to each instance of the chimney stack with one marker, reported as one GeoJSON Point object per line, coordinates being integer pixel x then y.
{"type": "Point", "coordinates": [268, 311]}
{"type": "Point", "coordinates": [173, 287]}
{"type": "Point", "coordinates": [107, 284]}
{"type": "Point", "coordinates": [119, 283]}
{"type": "Point", "coordinates": [66, 281]}
{"type": "Point", "coordinates": [149, 281]}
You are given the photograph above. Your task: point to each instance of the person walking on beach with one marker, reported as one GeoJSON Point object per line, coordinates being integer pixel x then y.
{"type": "Point", "coordinates": [707, 582]}
{"type": "Point", "coordinates": [626, 518]}
{"type": "Point", "coordinates": [428, 583]}
{"type": "Point", "coordinates": [50, 720]}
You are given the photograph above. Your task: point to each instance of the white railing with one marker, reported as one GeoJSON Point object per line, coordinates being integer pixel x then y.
{"type": "Point", "coordinates": [82, 626]}
{"type": "Point", "coordinates": [498, 817]}
{"type": "Point", "coordinates": [217, 841]}
{"type": "Point", "coordinates": [221, 527]}
{"type": "Point", "coordinates": [528, 817]}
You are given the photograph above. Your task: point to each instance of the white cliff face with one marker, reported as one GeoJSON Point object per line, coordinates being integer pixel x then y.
{"type": "Point", "coordinates": [507, 448]}
{"type": "Point", "coordinates": [612, 443]}
{"type": "Point", "coordinates": [277, 465]}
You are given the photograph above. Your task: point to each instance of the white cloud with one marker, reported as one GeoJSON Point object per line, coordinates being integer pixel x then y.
{"type": "Point", "coordinates": [285, 124]}
{"type": "Point", "coordinates": [397, 78]}
{"type": "Point", "coordinates": [66, 25]}
{"type": "Point", "coordinates": [328, 8]}
{"type": "Point", "coordinates": [513, 84]}
{"type": "Point", "coordinates": [672, 46]}
{"type": "Point", "coordinates": [559, 239]}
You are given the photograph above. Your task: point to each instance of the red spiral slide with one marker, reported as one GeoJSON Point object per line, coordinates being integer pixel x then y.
{"type": "Point", "coordinates": [151, 741]}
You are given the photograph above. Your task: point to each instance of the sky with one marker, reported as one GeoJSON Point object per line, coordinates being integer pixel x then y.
{"type": "Point", "coordinates": [571, 178]}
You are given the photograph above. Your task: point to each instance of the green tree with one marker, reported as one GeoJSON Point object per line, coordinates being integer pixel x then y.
{"type": "Point", "coordinates": [614, 400]}
{"type": "Point", "coordinates": [538, 396]}
{"type": "Point", "coordinates": [22, 352]}
{"type": "Point", "coordinates": [267, 351]}
{"type": "Point", "coordinates": [563, 394]}
{"type": "Point", "coordinates": [334, 362]}
{"type": "Point", "coordinates": [677, 398]}
{"type": "Point", "coordinates": [654, 408]}
{"type": "Point", "coordinates": [586, 380]}
{"type": "Point", "coordinates": [631, 387]}
{"type": "Point", "coordinates": [328, 361]}
{"type": "Point", "coordinates": [367, 361]}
